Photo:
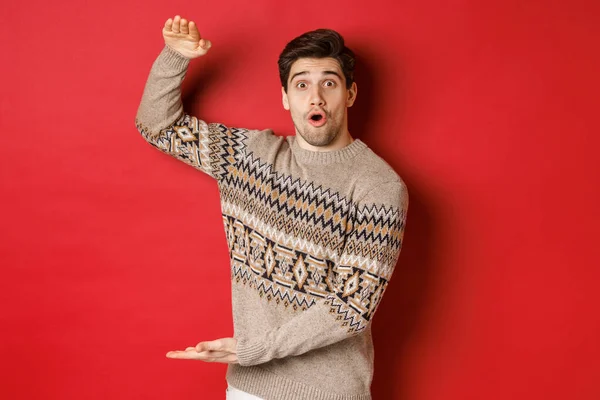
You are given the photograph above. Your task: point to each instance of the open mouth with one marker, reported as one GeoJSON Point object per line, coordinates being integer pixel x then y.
{"type": "Point", "coordinates": [317, 118]}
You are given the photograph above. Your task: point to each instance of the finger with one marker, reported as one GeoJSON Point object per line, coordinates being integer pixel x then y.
{"type": "Point", "coordinates": [207, 356]}
{"type": "Point", "coordinates": [174, 354]}
{"type": "Point", "coordinates": [201, 347]}
{"type": "Point", "coordinates": [169, 24]}
{"type": "Point", "coordinates": [215, 356]}
{"type": "Point", "coordinates": [176, 22]}
{"type": "Point", "coordinates": [183, 26]}
{"type": "Point", "coordinates": [183, 355]}
{"type": "Point", "coordinates": [223, 344]}
{"type": "Point", "coordinates": [190, 349]}
{"type": "Point", "coordinates": [205, 44]}
{"type": "Point", "coordinates": [226, 358]}
{"type": "Point", "coordinates": [194, 30]}
{"type": "Point", "coordinates": [212, 356]}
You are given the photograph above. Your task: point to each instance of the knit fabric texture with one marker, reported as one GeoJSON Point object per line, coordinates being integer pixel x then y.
{"type": "Point", "coordinates": [313, 240]}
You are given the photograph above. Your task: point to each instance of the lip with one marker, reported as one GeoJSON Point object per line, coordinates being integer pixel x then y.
{"type": "Point", "coordinates": [320, 122]}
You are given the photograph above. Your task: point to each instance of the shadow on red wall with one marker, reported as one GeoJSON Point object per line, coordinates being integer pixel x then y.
{"type": "Point", "coordinates": [399, 315]}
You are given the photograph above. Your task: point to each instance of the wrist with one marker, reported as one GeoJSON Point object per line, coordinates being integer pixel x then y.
{"type": "Point", "coordinates": [173, 58]}
{"type": "Point", "coordinates": [250, 352]}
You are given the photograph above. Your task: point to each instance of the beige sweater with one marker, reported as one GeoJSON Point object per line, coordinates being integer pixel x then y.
{"type": "Point", "coordinates": [313, 239]}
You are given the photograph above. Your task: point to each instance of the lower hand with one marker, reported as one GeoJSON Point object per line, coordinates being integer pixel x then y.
{"type": "Point", "coordinates": [220, 350]}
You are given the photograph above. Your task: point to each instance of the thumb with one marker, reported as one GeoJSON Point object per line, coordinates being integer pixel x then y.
{"type": "Point", "coordinates": [208, 346]}
{"type": "Point", "coordinates": [205, 44]}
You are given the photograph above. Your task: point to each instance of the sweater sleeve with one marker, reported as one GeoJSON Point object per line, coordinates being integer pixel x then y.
{"type": "Point", "coordinates": [355, 283]}
{"type": "Point", "coordinates": [212, 148]}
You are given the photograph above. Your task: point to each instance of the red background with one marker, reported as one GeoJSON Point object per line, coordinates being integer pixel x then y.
{"type": "Point", "coordinates": [112, 254]}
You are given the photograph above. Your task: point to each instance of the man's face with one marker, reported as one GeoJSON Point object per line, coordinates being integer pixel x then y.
{"type": "Point", "coordinates": [317, 99]}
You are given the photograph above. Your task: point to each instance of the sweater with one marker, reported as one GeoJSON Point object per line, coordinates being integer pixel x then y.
{"type": "Point", "coordinates": [313, 240]}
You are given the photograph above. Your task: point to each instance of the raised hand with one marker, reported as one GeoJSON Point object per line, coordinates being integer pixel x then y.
{"type": "Point", "coordinates": [183, 37]}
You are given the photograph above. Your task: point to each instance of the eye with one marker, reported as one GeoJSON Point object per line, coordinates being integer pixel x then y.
{"type": "Point", "coordinates": [329, 84]}
{"type": "Point", "coordinates": [301, 85]}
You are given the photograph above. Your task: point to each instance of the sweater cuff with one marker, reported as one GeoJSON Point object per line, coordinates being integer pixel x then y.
{"type": "Point", "coordinates": [249, 353]}
{"type": "Point", "coordinates": [174, 59]}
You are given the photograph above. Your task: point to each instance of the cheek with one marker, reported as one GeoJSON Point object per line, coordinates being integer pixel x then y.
{"type": "Point", "coordinates": [336, 100]}
{"type": "Point", "coordinates": [294, 113]}
{"type": "Point", "coordinates": [295, 108]}
{"type": "Point", "coordinates": [338, 106]}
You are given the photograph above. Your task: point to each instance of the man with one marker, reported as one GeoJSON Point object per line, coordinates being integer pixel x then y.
{"type": "Point", "coordinates": [314, 222]}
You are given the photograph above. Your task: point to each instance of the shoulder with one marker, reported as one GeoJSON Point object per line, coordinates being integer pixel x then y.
{"type": "Point", "coordinates": [378, 182]}
{"type": "Point", "coordinates": [244, 138]}
{"type": "Point", "coordinates": [263, 138]}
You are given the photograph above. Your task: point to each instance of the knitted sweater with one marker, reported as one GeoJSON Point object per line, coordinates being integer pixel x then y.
{"type": "Point", "coordinates": [313, 239]}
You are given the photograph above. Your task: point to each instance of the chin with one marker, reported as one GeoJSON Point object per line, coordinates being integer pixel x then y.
{"type": "Point", "coordinates": [318, 141]}
{"type": "Point", "coordinates": [318, 137]}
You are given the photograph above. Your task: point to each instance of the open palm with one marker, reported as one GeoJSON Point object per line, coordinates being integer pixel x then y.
{"type": "Point", "coordinates": [183, 37]}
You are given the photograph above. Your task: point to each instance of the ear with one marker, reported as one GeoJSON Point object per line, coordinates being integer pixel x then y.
{"type": "Point", "coordinates": [351, 95]}
{"type": "Point", "coordinates": [284, 99]}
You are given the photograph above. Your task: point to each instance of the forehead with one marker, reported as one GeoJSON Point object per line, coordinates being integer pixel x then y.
{"type": "Point", "coordinates": [316, 66]}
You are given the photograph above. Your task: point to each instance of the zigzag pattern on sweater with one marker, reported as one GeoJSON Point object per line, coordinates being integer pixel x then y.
{"type": "Point", "coordinates": [255, 186]}
{"type": "Point", "coordinates": [277, 204]}
{"type": "Point", "coordinates": [293, 278]}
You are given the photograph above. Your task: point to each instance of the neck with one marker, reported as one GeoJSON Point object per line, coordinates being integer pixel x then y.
{"type": "Point", "coordinates": [342, 140]}
{"type": "Point", "coordinates": [306, 156]}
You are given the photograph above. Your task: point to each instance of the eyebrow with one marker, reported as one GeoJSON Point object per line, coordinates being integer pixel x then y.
{"type": "Point", "coordinates": [306, 73]}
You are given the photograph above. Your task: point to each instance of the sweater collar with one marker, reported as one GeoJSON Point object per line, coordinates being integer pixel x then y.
{"type": "Point", "coordinates": [325, 157]}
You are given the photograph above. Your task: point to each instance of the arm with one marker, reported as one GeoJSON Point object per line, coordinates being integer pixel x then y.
{"type": "Point", "coordinates": [161, 119]}
{"type": "Point", "coordinates": [355, 287]}
{"type": "Point", "coordinates": [161, 102]}
{"type": "Point", "coordinates": [355, 283]}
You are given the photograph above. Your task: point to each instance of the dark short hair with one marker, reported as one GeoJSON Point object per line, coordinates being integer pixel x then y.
{"type": "Point", "coordinates": [320, 43]}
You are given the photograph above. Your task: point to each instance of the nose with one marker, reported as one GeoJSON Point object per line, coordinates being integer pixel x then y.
{"type": "Point", "coordinates": [316, 97]}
